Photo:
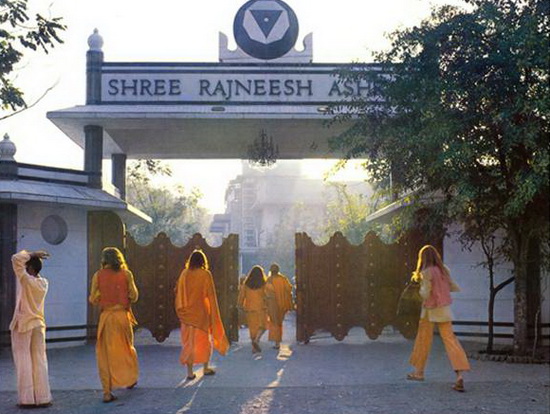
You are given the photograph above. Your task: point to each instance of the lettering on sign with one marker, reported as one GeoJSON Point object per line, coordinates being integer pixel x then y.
{"type": "Point", "coordinates": [204, 86]}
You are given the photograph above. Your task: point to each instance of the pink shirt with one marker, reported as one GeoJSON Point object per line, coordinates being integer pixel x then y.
{"type": "Point", "coordinates": [440, 294]}
{"type": "Point", "coordinates": [435, 313]}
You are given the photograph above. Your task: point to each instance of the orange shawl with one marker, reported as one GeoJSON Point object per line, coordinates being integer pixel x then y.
{"type": "Point", "coordinates": [279, 297]}
{"type": "Point", "coordinates": [197, 305]}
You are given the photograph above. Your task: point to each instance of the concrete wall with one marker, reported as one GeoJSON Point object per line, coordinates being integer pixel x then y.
{"type": "Point", "coordinates": [471, 304]}
{"type": "Point", "coordinates": [66, 270]}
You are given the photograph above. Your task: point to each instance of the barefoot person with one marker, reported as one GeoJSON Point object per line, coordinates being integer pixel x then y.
{"type": "Point", "coordinates": [436, 286]}
{"type": "Point", "coordinates": [252, 299]}
{"type": "Point", "coordinates": [113, 289]}
{"type": "Point", "coordinates": [199, 314]}
{"type": "Point", "coordinates": [28, 331]}
{"type": "Point", "coordinates": [279, 302]}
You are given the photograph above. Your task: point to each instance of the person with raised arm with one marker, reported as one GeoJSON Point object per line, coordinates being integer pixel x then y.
{"type": "Point", "coordinates": [28, 330]}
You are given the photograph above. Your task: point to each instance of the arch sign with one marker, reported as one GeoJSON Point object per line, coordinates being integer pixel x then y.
{"type": "Point", "coordinates": [268, 70]}
{"type": "Point", "coordinates": [212, 109]}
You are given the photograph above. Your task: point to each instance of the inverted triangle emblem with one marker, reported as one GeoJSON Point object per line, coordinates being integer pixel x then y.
{"type": "Point", "coordinates": [266, 19]}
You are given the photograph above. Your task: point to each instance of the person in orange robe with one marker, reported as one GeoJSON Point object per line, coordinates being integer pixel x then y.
{"type": "Point", "coordinates": [252, 300]}
{"type": "Point", "coordinates": [113, 289]}
{"type": "Point", "coordinates": [199, 314]}
{"type": "Point", "coordinates": [279, 302]}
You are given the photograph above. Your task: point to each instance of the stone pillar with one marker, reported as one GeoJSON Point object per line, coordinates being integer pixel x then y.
{"type": "Point", "coordinates": [93, 154]}
{"type": "Point", "coordinates": [119, 173]}
{"type": "Point", "coordinates": [8, 246]}
{"type": "Point", "coordinates": [94, 61]}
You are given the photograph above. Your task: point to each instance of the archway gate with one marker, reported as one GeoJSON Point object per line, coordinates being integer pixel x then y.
{"type": "Point", "coordinates": [156, 268]}
{"type": "Point", "coordinates": [340, 285]}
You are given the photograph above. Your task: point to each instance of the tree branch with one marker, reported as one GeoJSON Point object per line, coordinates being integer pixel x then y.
{"type": "Point", "coordinates": [31, 105]}
{"type": "Point", "coordinates": [502, 285]}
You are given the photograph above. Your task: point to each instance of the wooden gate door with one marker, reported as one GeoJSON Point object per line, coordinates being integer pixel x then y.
{"type": "Point", "coordinates": [340, 285]}
{"type": "Point", "coordinates": [156, 268]}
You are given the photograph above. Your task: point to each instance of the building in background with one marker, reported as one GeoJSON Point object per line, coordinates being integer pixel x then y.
{"type": "Point", "coordinates": [267, 207]}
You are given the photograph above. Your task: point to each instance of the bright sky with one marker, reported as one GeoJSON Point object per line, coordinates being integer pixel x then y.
{"type": "Point", "coordinates": [181, 31]}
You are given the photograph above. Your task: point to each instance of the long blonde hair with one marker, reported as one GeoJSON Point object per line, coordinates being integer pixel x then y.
{"type": "Point", "coordinates": [428, 256]}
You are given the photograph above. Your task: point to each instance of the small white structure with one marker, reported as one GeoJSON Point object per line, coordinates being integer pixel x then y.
{"type": "Point", "coordinates": [48, 208]}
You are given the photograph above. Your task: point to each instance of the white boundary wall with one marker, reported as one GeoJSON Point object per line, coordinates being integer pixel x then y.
{"type": "Point", "coordinates": [66, 269]}
{"type": "Point", "coordinates": [471, 304]}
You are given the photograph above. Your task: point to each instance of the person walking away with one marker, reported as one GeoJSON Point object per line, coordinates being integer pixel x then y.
{"type": "Point", "coordinates": [197, 309]}
{"type": "Point", "coordinates": [252, 299]}
{"type": "Point", "coordinates": [113, 289]}
{"type": "Point", "coordinates": [436, 286]}
{"type": "Point", "coordinates": [279, 302]}
{"type": "Point", "coordinates": [28, 331]}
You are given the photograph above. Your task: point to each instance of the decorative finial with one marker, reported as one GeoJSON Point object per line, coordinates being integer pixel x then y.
{"type": "Point", "coordinates": [95, 41]}
{"type": "Point", "coordinates": [7, 149]}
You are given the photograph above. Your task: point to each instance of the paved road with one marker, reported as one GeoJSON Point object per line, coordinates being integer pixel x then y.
{"type": "Point", "coordinates": [356, 376]}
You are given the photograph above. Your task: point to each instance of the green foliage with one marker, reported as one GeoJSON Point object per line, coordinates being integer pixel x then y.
{"type": "Point", "coordinates": [466, 112]}
{"type": "Point", "coordinates": [280, 243]}
{"type": "Point", "coordinates": [20, 33]}
{"type": "Point", "coordinates": [142, 170]}
{"type": "Point", "coordinates": [347, 213]}
{"type": "Point", "coordinates": [465, 120]}
{"type": "Point", "coordinates": [174, 211]}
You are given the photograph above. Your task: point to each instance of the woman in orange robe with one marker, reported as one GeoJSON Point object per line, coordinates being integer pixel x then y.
{"type": "Point", "coordinates": [199, 314]}
{"type": "Point", "coordinates": [252, 300]}
{"type": "Point", "coordinates": [113, 289]}
{"type": "Point", "coordinates": [279, 302]}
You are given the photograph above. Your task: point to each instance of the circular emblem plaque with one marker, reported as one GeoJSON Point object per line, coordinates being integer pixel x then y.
{"type": "Point", "coordinates": [54, 229]}
{"type": "Point", "coordinates": [265, 29]}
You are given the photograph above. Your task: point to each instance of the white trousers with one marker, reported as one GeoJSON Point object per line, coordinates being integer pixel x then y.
{"type": "Point", "coordinates": [31, 366]}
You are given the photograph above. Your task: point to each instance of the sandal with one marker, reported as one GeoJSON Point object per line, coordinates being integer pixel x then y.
{"type": "Point", "coordinates": [107, 398]}
{"type": "Point", "coordinates": [415, 377]}
{"type": "Point", "coordinates": [208, 371]}
{"type": "Point", "coordinates": [459, 385]}
{"type": "Point", "coordinates": [256, 347]}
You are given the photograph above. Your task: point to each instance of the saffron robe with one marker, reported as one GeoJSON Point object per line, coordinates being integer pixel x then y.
{"type": "Point", "coordinates": [279, 302]}
{"type": "Point", "coordinates": [198, 311]}
{"type": "Point", "coordinates": [116, 355]}
{"type": "Point", "coordinates": [252, 301]}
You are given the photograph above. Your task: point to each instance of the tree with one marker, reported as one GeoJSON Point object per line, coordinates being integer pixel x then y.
{"type": "Point", "coordinates": [464, 124]}
{"type": "Point", "coordinates": [347, 213]}
{"type": "Point", "coordinates": [20, 33]}
{"type": "Point", "coordinates": [280, 246]}
{"type": "Point", "coordinates": [174, 211]}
